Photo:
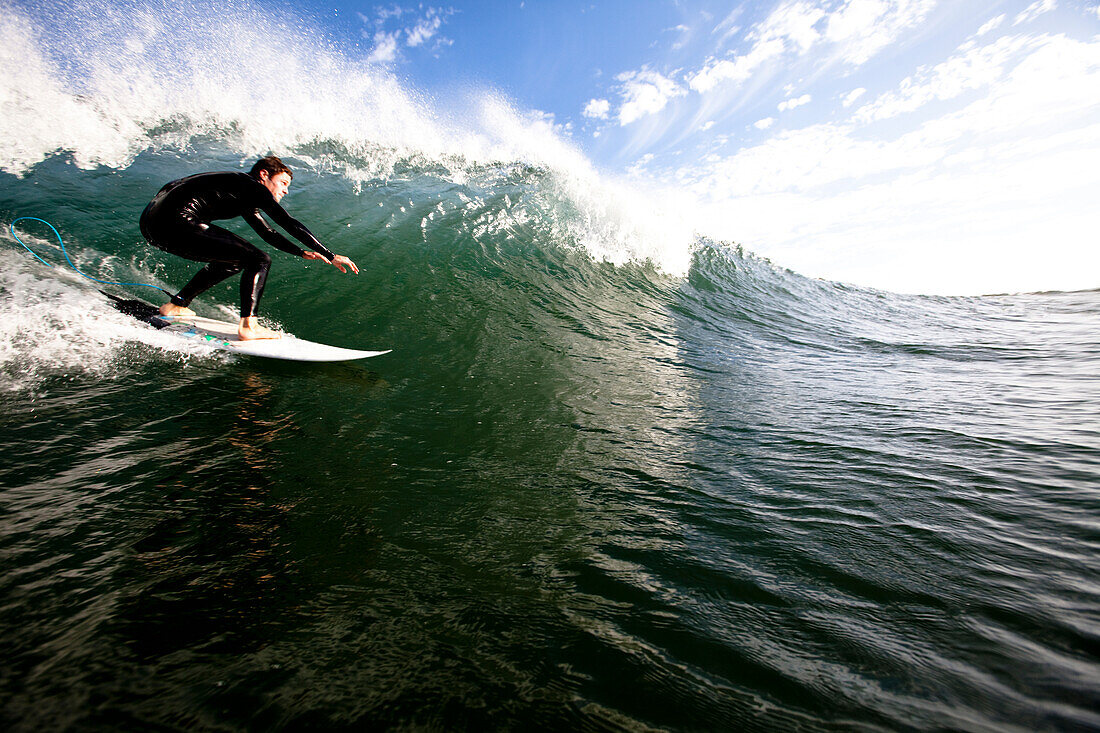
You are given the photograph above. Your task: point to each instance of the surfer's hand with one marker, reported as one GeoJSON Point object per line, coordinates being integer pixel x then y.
{"type": "Point", "coordinates": [340, 262]}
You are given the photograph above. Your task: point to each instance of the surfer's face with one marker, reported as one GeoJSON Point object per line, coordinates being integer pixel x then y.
{"type": "Point", "coordinates": [277, 184]}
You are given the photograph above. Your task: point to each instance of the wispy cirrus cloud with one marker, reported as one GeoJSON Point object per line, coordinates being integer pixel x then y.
{"type": "Point", "coordinates": [860, 29]}
{"type": "Point", "coordinates": [855, 31]}
{"type": "Point", "coordinates": [991, 25]}
{"type": "Point", "coordinates": [972, 68]}
{"type": "Point", "coordinates": [1033, 11]}
{"type": "Point", "coordinates": [851, 31]}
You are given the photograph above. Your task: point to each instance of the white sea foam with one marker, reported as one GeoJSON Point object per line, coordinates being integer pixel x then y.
{"type": "Point", "coordinates": [54, 325]}
{"type": "Point", "coordinates": [104, 83]}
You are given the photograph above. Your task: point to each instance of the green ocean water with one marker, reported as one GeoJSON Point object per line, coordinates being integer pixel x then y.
{"type": "Point", "coordinates": [585, 491]}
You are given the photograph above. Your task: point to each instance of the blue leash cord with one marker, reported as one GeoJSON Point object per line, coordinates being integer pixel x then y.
{"type": "Point", "coordinates": [67, 258]}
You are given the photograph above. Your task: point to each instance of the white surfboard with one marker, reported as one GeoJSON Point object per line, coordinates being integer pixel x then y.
{"type": "Point", "coordinates": [222, 335]}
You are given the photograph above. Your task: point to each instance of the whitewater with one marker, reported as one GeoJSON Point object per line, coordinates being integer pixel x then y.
{"type": "Point", "coordinates": [616, 474]}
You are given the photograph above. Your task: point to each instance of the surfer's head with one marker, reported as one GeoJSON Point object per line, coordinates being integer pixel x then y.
{"type": "Point", "coordinates": [273, 174]}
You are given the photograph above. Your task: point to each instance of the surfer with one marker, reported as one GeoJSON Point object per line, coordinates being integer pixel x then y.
{"type": "Point", "coordinates": [178, 218]}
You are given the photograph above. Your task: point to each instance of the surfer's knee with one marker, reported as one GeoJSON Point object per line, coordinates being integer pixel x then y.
{"type": "Point", "coordinates": [260, 261]}
{"type": "Point", "coordinates": [222, 270]}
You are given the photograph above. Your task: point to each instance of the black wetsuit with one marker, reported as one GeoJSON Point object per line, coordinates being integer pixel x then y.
{"type": "Point", "coordinates": [178, 218]}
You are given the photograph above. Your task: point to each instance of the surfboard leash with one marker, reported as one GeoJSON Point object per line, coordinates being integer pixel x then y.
{"type": "Point", "coordinates": [69, 259]}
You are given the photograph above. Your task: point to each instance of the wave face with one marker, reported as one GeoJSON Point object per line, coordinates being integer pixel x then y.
{"type": "Point", "coordinates": [612, 476]}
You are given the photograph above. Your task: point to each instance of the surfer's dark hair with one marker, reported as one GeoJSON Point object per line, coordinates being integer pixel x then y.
{"type": "Point", "coordinates": [272, 165]}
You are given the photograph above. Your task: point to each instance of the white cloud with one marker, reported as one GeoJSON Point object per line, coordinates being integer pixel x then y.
{"type": "Point", "coordinates": [764, 124]}
{"type": "Point", "coordinates": [1034, 10]}
{"type": "Point", "coordinates": [853, 96]}
{"type": "Point", "coordinates": [385, 48]}
{"type": "Point", "coordinates": [423, 30]}
{"type": "Point", "coordinates": [1025, 102]}
{"type": "Point", "coordinates": [644, 93]}
{"type": "Point", "coordinates": [856, 31]}
{"type": "Point", "coordinates": [597, 109]}
{"type": "Point", "coordinates": [975, 68]}
{"type": "Point", "coordinates": [792, 22]}
{"type": "Point", "coordinates": [738, 70]}
{"type": "Point", "coordinates": [1041, 94]}
{"type": "Point", "coordinates": [1020, 219]}
{"type": "Point", "coordinates": [991, 25]}
{"type": "Point", "coordinates": [397, 26]}
{"type": "Point", "coordinates": [808, 159]}
{"type": "Point", "coordinates": [384, 14]}
{"type": "Point", "coordinates": [792, 103]}
{"type": "Point", "coordinates": [789, 27]}
{"type": "Point", "coordinates": [862, 28]}
{"type": "Point", "coordinates": [639, 165]}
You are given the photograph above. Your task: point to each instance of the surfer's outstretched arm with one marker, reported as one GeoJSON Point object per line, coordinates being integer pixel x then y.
{"type": "Point", "coordinates": [295, 227]}
{"type": "Point", "coordinates": [299, 230]}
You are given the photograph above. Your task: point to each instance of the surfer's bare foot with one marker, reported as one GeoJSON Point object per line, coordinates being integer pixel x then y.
{"type": "Point", "coordinates": [250, 330]}
{"type": "Point", "coordinates": [171, 309]}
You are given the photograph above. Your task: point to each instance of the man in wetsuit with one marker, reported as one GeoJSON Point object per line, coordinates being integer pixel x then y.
{"type": "Point", "coordinates": [178, 218]}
